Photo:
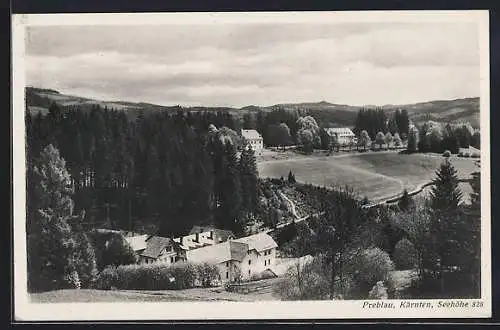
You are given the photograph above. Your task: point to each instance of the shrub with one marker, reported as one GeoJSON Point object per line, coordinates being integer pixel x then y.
{"type": "Point", "coordinates": [207, 274]}
{"type": "Point", "coordinates": [262, 276]}
{"type": "Point", "coordinates": [379, 291]}
{"type": "Point", "coordinates": [303, 282]}
{"type": "Point", "coordinates": [405, 255]}
{"type": "Point", "coordinates": [148, 277]}
{"type": "Point", "coordinates": [367, 268]}
{"type": "Point", "coordinates": [446, 153]}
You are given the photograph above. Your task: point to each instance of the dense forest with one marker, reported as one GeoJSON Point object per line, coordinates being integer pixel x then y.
{"type": "Point", "coordinates": [168, 171]}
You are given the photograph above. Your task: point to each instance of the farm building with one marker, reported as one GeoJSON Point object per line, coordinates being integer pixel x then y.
{"type": "Point", "coordinates": [243, 257]}
{"type": "Point", "coordinates": [162, 249]}
{"type": "Point", "coordinates": [344, 135]}
{"type": "Point", "coordinates": [254, 139]}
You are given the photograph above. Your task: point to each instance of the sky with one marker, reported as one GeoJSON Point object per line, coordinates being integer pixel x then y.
{"type": "Point", "coordinates": [248, 64]}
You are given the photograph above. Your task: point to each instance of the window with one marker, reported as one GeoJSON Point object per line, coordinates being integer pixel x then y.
{"type": "Point", "coordinates": [227, 274]}
{"type": "Point", "coordinates": [172, 260]}
{"type": "Point", "coordinates": [227, 263]}
{"type": "Point", "coordinates": [265, 262]}
{"type": "Point", "coordinates": [249, 272]}
{"type": "Point", "coordinates": [249, 262]}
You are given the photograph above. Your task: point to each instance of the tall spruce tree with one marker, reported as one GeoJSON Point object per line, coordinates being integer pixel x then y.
{"type": "Point", "coordinates": [54, 251]}
{"type": "Point", "coordinates": [446, 229]}
{"type": "Point", "coordinates": [249, 180]}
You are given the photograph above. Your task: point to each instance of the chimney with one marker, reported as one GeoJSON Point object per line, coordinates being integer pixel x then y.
{"type": "Point", "coordinates": [180, 240]}
{"type": "Point", "coordinates": [211, 234]}
{"type": "Point", "coordinates": [197, 239]}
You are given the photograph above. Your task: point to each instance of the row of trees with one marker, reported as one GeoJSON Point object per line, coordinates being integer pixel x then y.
{"type": "Point", "coordinates": [169, 171]}
{"type": "Point", "coordinates": [436, 137]}
{"type": "Point", "coordinates": [375, 121]}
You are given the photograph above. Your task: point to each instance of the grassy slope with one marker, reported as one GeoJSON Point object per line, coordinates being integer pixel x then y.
{"type": "Point", "coordinates": [197, 294]}
{"type": "Point", "coordinates": [375, 175]}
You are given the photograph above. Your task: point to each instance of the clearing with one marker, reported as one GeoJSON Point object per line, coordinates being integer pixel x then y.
{"type": "Point", "coordinates": [376, 175]}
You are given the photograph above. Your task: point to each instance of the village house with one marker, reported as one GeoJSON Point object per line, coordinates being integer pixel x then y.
{"type": "Point", "coordinates": [240, 258]}
{"type": "Point", "coordinates": [254, 139]}
{"type": "Point", "coordinates": [344, 135]}
{"type": "Point", "coordinates": [162, 249]}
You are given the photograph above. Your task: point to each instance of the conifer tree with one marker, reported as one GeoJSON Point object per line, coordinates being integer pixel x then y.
{"type": "Point", "coordinates": [249, 180]}
{"type": "Point", "coordinates": [54, 253]}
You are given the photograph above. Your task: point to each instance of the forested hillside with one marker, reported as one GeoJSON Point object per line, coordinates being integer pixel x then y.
{"type": "Point", "coordinates": [166, 171]}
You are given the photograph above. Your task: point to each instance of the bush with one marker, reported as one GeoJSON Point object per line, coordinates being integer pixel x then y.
{"type": "Point", "coordinates": [405, 255]}
{"type": "Point", "coordinates": [262, 276]}
{"type": "Point", "coordinates": [208, 274]}
{"type": "Point", "coordinates": [379, 291]}
{"type": "Point", "coordinates": [367, 268]}
{"type": "Point", "coordinates": [304, 282]}
{"type": "Point", "coordinates": [148, 277]}
{"type": "Point", "coordinates": [446, 153]}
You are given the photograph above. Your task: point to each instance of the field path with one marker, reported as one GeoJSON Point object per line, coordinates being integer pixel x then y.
{"type": "Point", "coordinates": [294, 211]}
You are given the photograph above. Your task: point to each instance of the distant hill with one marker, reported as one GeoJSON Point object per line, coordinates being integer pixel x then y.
{"type": "Point", "coordinates": [329, 114]}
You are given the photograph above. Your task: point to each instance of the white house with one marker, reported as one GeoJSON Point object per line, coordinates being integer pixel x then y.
{"type": "Point", "coordinates": [344, 135]}
{"type": "Point", "coordinates": [254, 139]}
{"type": "Point", "coordinates": [162, 249]}
{"type": "Point", "coordinates": [243, 257]}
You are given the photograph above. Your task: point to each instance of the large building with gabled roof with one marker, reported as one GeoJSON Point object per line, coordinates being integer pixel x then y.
{"type": "Point", "coordinates": [241, 257]}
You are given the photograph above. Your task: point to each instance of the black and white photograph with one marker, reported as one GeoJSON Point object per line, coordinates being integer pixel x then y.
{"type": "Point", "coordinates": [287, 165]}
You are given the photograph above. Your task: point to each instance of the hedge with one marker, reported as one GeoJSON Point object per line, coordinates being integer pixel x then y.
{"type": "Point", "coordinates": [178, 276]}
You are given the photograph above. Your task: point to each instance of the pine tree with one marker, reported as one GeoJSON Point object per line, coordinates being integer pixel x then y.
{"type": "Point", "coordinates": [446, 227]}
{"type": "Point", "coordinates": [446, 195]}
{"type": "Point", "coordinates": [405, 201]}
{"type": "Point", "coordinates": [249, 180]}
{"type": "Point", "coordinates": [53, 252]}
{"type": "Point", "coordinates": [413, 139]}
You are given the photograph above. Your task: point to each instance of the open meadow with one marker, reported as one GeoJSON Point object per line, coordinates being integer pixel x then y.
{"type": "Point", "coordinates": [376, 175]}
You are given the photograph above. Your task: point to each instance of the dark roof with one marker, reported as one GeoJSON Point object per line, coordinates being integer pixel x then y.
{"type": "Point", "coordinates": [200, 229]}
{"type": "Point", "coordinates": [224, 234]}
{"type": "Point", "coordinates": [155, 245]}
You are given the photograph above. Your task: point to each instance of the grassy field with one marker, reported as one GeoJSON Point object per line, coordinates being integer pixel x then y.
{"type": "Point", "coordinates": [376, 175]}
{"type": "Point", "coordinates": [196, 294]}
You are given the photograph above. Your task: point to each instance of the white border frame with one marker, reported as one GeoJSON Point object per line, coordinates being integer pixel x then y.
{"type": "Point", "coordinates": [26, 311]}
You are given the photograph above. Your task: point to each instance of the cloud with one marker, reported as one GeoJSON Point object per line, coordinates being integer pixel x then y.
{"type": "Point", "coordinates": [265, 64]}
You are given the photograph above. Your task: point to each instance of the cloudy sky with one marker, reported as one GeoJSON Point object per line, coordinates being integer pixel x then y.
{"type": "Point", "coordinates": [238, 65]}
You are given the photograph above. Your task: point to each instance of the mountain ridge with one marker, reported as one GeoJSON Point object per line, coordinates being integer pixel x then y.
{"type": "Point", "coordinates": [466, 109]}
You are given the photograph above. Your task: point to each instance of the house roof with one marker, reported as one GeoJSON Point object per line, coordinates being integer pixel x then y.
{"type": "Point", "coordinates": [218, 253]}
{"type": "Point", "coordinates": [250, 134]}
{"type": "Point", "coordinates": [223, 234]}
{"type": "Point", "coordinates": [137, 242]}
{"type": "Point", "coordinates": [189, 241]}
{"type": "Point", "coordinates": [259, 242]}
{"type": "Point", "coordinates": [200, 229]}
{"type": "Point", "coordinates": [156, 244]}
{"type": "Point", "coordinates": [340, 131]}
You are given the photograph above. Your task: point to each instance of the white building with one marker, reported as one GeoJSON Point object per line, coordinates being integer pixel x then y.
{"type": "Point", "coordinates": [344, 135]}
{"type": "Point", "coordinates": [242, 257]}
{"type": "Point", "coordinates": [254, 139]}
